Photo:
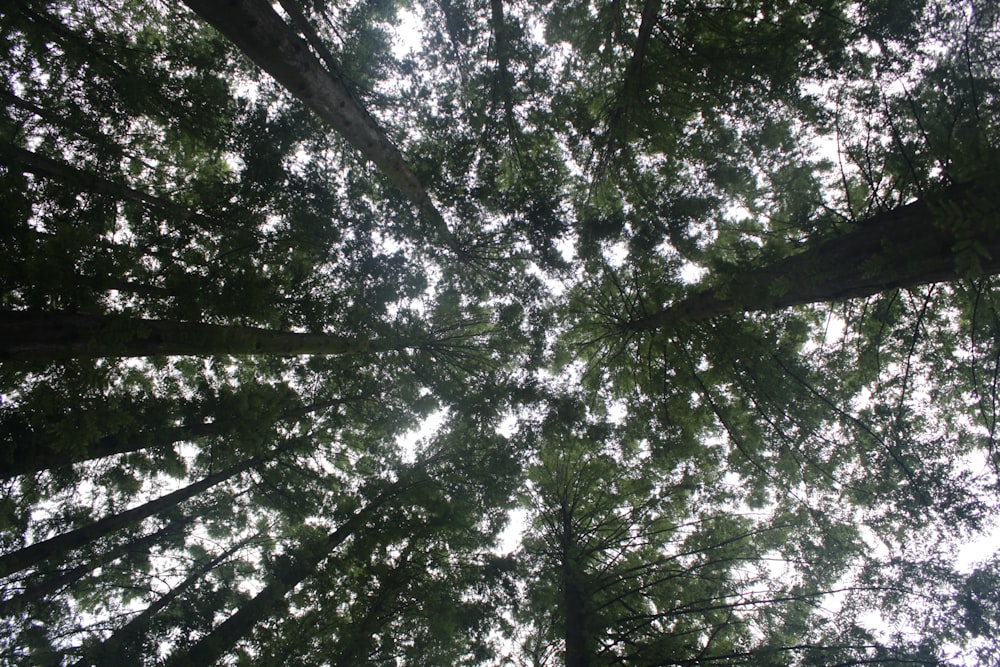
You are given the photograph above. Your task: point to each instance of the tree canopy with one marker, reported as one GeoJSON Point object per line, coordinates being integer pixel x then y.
{"type": "Point", "coordinates": [500, 333]}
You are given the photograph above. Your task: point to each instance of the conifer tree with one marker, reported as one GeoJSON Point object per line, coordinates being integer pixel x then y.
{"type": "Point", "coordinates": [300, 309]}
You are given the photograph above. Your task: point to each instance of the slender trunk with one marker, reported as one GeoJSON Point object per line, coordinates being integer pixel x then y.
{"type": "Point", "coordinates": [60, 544]}
{"type": "Point", "coordinates": [380, 607]}
{"type": "Point", "coordinates": [271, 600]}
{"type": "Point", "coordinates": [60, 119]}
{"type": "Point", "coordinates": [458, 36]}
{"type": "Point", "coordinates": [126, 644]}
{"type": "Point", "coordinates": [632, 85]}
{"type": "Point", "coordinates": [40, 588]}
{"type": "Point", "coordinates": [940, 239]}
{"type": "Point", "coordinates": [630, 95]}
{"type": "Point", "coordinates": [506, 81]}
{"type": "Point", "coordinates": [27, 454]}
{"type": "Point", "coordinates": [575, 635]}
{"type": "Point", "coordinates": [123, 257]}
{"type": "Point", "coordinates": [34, 335]}
{"type": "Point", "coordinates": [86, 181]}
{"type": "Point", "coordinates": [264, 37]}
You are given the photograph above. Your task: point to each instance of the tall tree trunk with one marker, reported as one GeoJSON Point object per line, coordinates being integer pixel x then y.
{"type": "Point", "coordinates": [125, 645]}
{"type": "Point", "coordinates": [941, 238]}
{"type": "Point", "coordinates": [264, 37]}
{"type": "Point", "coordinates": [632, 85]}
{"type": "Point", "coordinates": [630, 95]}
{"type": "Point", "coordinates": [41, 587]}
{"type": "Point", "coordinates": [575, 633]}
{"type": "Point", "coordinates": [358, 636]}
{"type": "Point", "coordinates": [30, 335]}
{"type": "Point", "coordinates": [85, 181]}
{"type": "Point", "coordinates": [74, 539]}
{"type": "Point", "coordinates": [27, 454]}
{"type": "Point", "coordinates": [505, 82]}
{"type": "Point", "coordinates": [271, 600]}
{"type": "Point", "coordinates": [55, 118]}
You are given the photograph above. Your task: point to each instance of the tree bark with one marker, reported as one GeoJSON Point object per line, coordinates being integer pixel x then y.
{"type": "Point", "coordinates": [85, 181]}
{"type": "Point", "coordinates": [575, 634]}
{"type": "Point", "coordinates": [271, 600]}
{"type": "Point", "coordinates": [505, 82]}
{"type": "Point", "coordinates": [41, 587]}
{"type": "Point", "coordinates": [60, 544]}
{"type": "Point", "coordinates": [941, 238]}
{"type": "Point", "coordinates": [359, 635]}
{"type": "Point", "coordinates": [26, 454]}
{"type": "Point", "coordinates": [51, 336]}
{"type": "Point", "coordinates": [125, 645]}
{"type": "Point", "coordinates": [54, 118]}
{"type": "Point", "coordinates": [629, 95]}
{"type": "Point", "coordinates": [631, 87]}
{"type": "Point", "coordinates": [264, 37]}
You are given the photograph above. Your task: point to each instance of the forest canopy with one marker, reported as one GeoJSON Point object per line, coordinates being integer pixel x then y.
{"type": "Point", "coordinates": [500, 333]}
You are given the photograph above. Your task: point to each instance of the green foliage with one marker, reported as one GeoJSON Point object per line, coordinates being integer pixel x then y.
{"type": "Point", "coordinates": [576, 337]}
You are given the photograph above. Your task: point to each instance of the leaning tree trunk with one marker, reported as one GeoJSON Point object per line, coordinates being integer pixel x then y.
{"type": "Point", "coordinates": [42, 587]}
{"type": "Point", "coordinates": [577, 651]}
{"type": "Point", "coordinates": [379, 608]}
{"type": "Point", "coordinates": [125, 645]}
{"type": "Point", "coordinates": [50, 336]}
{"type": "Point", "coordinates": [271, 600]}
{"type": "Point", "coordinates": [941, 238]}
{"type": "Point", "coordinates": [85, 181]}
{"type": "Point", "coordinates": [630, 94]}
{"type": "Point", "coordinates": [264, 37]}
{"type": "Point", "coordinates": [74, 539]}
{"type": "Point", "coordinates": [27, 453]}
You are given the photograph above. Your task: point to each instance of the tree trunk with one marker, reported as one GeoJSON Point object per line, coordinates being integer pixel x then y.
{"type": "Point", "coordinates": [620, 125]}
{"type": "Point", "coordinates": [271, 600]}
{"type": "Point", "coordinates": [575, 634]}
{"type": "Point", "coordinates": [505, 82]}
{"type": "Point", "coordinates": [27, 454]}
{"type": "Point", "coordinates": [125, 645]}
{"type": "Point", "coordinates": [941, 238]}
{"type": "Point", "coordinates": [74, 539]}
{"type": "Point", "coordinates": [85, 181]}
{"type": "Point", "coordinates": [380, 607]}
{"type": "Point", "coordinates": [632, 88]}
{"type": "Point", "coordinates": [41, 587]}
{"type": "Point", "coordinates": [264, 37]}
{"type": "Point", "coordinates": [34, 335]}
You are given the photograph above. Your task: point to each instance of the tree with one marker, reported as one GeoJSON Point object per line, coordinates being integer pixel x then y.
{"type": "Point", "coordinates": [294, 317]}
{"type": "Point", "coordinates": [622, 571]}
{"type": "Point", "coordinates": [126, 643]}
{"type": "Point", "coordinates": [291, 571]}
{"type": "Point", "coordinates": [58, 545]}
{"type": "Point", "coordinates": [253, 412]}
{"type": "Point", "coordinates": [273, 45]}
{"type": "Point", "coordinates": [29, 335]}
{"type": "Point", "coordinates": [44, 585]}
{"type": "Point", "coordinates": [909, 246]}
